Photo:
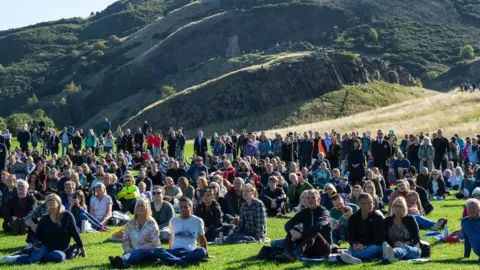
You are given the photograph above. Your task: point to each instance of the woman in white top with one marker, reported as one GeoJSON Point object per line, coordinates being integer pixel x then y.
{"type": "Point", "coordinates": [457, 178]}
{"type": "Point", "coordinates": [101, 204]}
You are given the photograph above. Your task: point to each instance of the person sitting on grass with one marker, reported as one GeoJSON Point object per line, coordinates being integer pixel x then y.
{"type": "Point", "coordinates": [353, 197]}
{"type": "Point", "coordinates": [17, 209]}
{"type": "Point", "coordinates": [365, 233]}
{"type": "Point", "coordinates": [475, 195]}
{"type": "Point", "coordinates": [172, 192]}
{"type": "Point", "coordinates": [273, 198]}
{"type": "Point", "coordinates": [101, 204]}
{"type": "Point", "coordinates": [308, 233]}
{"type": "Point", "coordinates": [328, 192]}
{"type": "Point", "coordinates": [436, 186]}
{"type": "Point", "coordinates": [162, 212]}
{"type": "Point", "coordinates": [423, 194]}
{"type": "Point", "coordinates": [414, 207]}
{"type": "Point", "coordinates": [53, 235]}
{"type": "Point", "coordinates": [140, 238]}
{"type": "Point", "coordinates": [340, 227]}
{"type": "Point", "coordinates": [78, 209]}
{"type": "Point", "coordinates": [252, 223]}
{"type": "Point", "coordinates": [400, 166]}
{"type": "Point", "coordinates": [143, 193]}
{"type": "Point", "coordinates": [185, 231]}
{"type": "Point", "coordinates": [471, 228]}
{"type": "Point", "coordinates": [210, 212]}
{"type": "Point", "coordinates": [402, 234]}
{"type": "Point", "coordinates": [322, 175]}
{"type": "Point", "coordinates": [295, 189]}
{"type": "Point", "coordinates": [129, 194]}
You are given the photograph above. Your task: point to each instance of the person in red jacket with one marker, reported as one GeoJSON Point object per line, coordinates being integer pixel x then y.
{"type": "Point", "coordinates": [150, 141]}
{"type": "Point", "coordinates": [157, 142]}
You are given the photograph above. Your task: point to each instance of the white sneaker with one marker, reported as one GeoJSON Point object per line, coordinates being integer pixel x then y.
{"type": "Point", "coordinates": [29, 246]}
{"type": "Point", "coordinates": [384, 250]}
{"type": "Point", "coordinates": [390, 254]}
{"type": "Point", "coordinates": [10, 259]}
{"type": "Point", "coordinates": [349, 259]}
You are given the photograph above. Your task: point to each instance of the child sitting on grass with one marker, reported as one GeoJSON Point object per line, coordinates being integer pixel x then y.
{"type": "Point", "coordinates": [339, 233]}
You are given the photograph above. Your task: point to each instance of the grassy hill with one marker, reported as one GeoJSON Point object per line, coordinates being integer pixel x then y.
{"type": "Point", "coordinates": [162, 42]}
{"type": "Point", "coordinates": [454, 112]}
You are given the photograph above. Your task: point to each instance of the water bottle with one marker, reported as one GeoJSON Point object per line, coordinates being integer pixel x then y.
{"type": "Point", "coordinates": [221, 237]}
{"type": "Point", "coordinates": [445, 231]}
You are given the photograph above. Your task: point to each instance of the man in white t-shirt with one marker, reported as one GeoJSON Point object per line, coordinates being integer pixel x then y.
{"type": "Point", "coordinates": [185, 230]}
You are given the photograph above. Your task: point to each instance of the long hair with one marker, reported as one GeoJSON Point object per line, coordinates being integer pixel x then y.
{"type": "Point", "coordinates": [61, 208]}
{"type": "Point", "coordinates": [148, 210]}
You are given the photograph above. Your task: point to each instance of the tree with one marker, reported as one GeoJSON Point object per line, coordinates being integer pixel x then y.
{"type": "Point", "coordinates": [75, 54]}
{"type": "Point", "coordinates": [3, 124]}
{"type": "Point", "coordinates": [167, 91]}
{"type": "Point", "coordinates": [113, 40]}
{"type": "Point", "coordinates": [372, 35]}
{"type": "Point", "coordinates": [129, 6]}
{"type": "Point", "coordinates": [92, 13]}
{"type": "Point", "coordinates": [100, 45]}
{"type": "Point", "coordinates": [32, 100]}
{"type": "Point", "coordinates": [418, 83]}
{"type": "Point", "coordinates": [17, 120]}
{"type": "Point", "coordinates": [467, 52]}
{"type": "Point", "coordinates": [71, 88]}
{"type": "Point", "coordinates": [39, 115]}
{"type": "Point", "coordinates": [97, 54]}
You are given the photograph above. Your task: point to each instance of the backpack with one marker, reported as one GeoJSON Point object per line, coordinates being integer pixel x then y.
{"type": "Point", "coordinates": [118, 219]}
{"type": "Point", "coordinates": [426, 249]}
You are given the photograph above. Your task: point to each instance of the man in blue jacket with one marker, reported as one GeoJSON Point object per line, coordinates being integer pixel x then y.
{"type": "Point", "coordinates": [471, 228]}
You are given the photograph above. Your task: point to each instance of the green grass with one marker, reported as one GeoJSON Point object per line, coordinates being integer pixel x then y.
{"type": "Point", "coordinates": [242, 256]}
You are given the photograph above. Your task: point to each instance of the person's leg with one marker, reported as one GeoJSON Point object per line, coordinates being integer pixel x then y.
{"type": "Point", "coordinates": [54, 256]}
{"type": "Point", "coordinates": [277, 243]}
{"type": "Point", "coordinates": [164, 234]}
{"type": "Point", "coordinates": [194, 256]}
{"type": "Point", "coordinates": [92, 220]}
{"type": "Point", "coordinates": [412, 253]}
{"type": "Point", "coordinates": [169, 256]}
{"type": "Point", "coordinates": [314, 246]}
{"type": "Point", "coordinates": [436, 163]}
{"type": "Point", "coordinates": [137, 256]}
{"type": "Point", "coordinates": [371, 252]}
{"type": "Point", "coordinates": [34, 257]}
{"type": "Point", "coordinates": [444, 164]}
{"type": "Point", "coordinates": [423, 222]}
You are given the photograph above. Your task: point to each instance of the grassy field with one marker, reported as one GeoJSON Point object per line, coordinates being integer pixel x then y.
{"type": "Point", "coordinates": [242, 256]}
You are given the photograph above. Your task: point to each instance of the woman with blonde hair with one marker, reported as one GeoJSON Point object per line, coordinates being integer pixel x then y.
{"type": "Point", "coordinates": [402, 234]}
{"type": "Point", "coordinates": [426, 154]}
{"type": "Point", "coordinates": [140, 237]}
{"type": "Point", "coordinates": [54, 232]}
{"type": "Point", "coordinates": [369, 187]}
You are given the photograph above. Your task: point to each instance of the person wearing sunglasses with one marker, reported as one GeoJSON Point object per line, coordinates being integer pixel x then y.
{"type": "Point", "coordinates": [162, 212]}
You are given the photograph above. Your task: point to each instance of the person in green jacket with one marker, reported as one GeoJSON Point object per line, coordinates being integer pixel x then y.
{"type": "Point", "coordinates": [91, 140]}
{"type": "Point", "coordinates": [426, 153]}
{"type": "Point", "coordinates": [322, 175]}
{"type": "Point", "coordinates": [295, 189]}
{"type": "Point", "coordinates": [129, 194]}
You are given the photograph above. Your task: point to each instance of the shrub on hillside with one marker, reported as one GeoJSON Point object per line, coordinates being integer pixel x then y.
{"type": "Point", "coordinates": [418, 83]}
{"type": "Point", "coordinates": [99, 45]}
{"type": "Point", "coordinates": [348, 58]}
{"type": "Point", "coordinates": [32, 100]}
{"type": "Point", "coordinates": [97, 54]}
{"type": "Point", "coordinates": [467, 52]}
{"type": "Point", "coordinates": [113, 40]}
{"type": "Point", "coordinates": [372, 35]}
{"type": "Point", "coordinates": [167, 91]}
{"type": "Point", "coordinates": [3, 124]}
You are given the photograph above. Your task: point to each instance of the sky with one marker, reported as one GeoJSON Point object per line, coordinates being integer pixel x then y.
{"type": "Point", "coordinates": [18, 13]}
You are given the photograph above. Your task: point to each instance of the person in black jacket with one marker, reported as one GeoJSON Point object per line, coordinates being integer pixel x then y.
{"type": "Point", "coordinates": [146, 128]}
{"type": "Point", "coordinates": [356, 163]}
{"type": "Point", "coordinates": [364, 233]}
{"type": "Point", "coordinates": [77, 141]}
{"type": "Point", "coordinates": [436, 185]}
{"type": "Point", "coordinates": [180, 144]}
{"type": "Point", "coordinates": [139, 139]}
{"type": "Point", "coordinates": [423, 194]}
{"type": "Point", "coordinates": [274, 198]}
{"type": "Point", "coordinates": [211, 214]}
{"type": "Point", "coordinates": [235, 199]}
{"type": "Point", "coordinates": [309, 233]}
{"type": "Point", "coordinates": [127, 141]}
{"type": "Point", "coordinates": [442, 148]}
{"type": "Point", "coordinates": [17, 209]}
{"type": "Point", "coordinates": [172, 144]}
{"type": "Point", "coordinates": [200, 146]}
{"type": "Point", "coordinates": [305, 150]}
{"type": "Point", "coordinates": [402, 234]}
{"type": "Point", "coordinates": [381, 152]}
{"type": "Point", "coordinates": [23, 138]}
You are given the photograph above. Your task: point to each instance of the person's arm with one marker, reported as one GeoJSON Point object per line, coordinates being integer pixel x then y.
{"type": "Point", "coordinates": [217, 217]}
{"type": "Point", "coordinates": [241, 221]}
{"type": "Point", "coordinates": [261, 222]}
{"type": "Point", "coordinates": [108, 213]}
{"type": "Point", "coordinates": [378, 235]}
{"type": "Point", "coordinates": [169, 213]}
{"type": "Point", "coordinates": [203, 243]}
{"type": "Point", "coordinates": [127, 247]}
{"type": "Point", "coordinates": [351, 235]}
{"type": "Point", "coordinates": [153, 241]}
{"type": "Point", "coordinates": [72, 229]}
{"type": "Point", "coordinates": [414, 231]}
{"type": "Point", "coordinates": [179, 194]}
{"type": "Point", "coordinates": [467, 246]}
{"type": "Point", "coordinates": [122, 193]}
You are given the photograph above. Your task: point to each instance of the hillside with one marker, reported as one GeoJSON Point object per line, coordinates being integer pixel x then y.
{"type": "Point", "coordinates": [292, 79]}
{"type": "Point", "coordinates": [120, 58]}
{"type": "Point", "coordinates": [453, 112]}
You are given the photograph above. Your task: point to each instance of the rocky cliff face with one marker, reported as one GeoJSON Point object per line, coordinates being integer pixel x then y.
{"type": "Point", "coordinates": [253, 90]}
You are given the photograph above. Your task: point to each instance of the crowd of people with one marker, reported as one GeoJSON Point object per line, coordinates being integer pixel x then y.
{"type": "Point", "coordinates": [331, 189]}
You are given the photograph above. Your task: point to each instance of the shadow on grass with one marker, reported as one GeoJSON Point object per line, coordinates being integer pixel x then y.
{"type": "Point", "coordinates": [94, 266]}
{"type": "Point", "coordinates": [11, 250]}
{"type": "Point", "coordinates": [452, 205]}
{"type": "Point", "coordinates": [459, 260]}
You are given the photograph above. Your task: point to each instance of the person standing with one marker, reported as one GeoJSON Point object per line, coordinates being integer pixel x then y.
{"type": "Point", "coordinates": [180, 144]}
{"type": "Point", "coordinates": [139, 138]}
{"type": "Point", "coordinates": [66, 139]}
{"type": "Point", "coordinates": [442, 148]}
{"type": "Point", "coordinates": [185, 231]}
{"type": "Point", "coordinates": [200, 146]}
{"type": "Point", "coordinates": [106, 126]}
{"type": "Point", "coordinates": [23, 138]}
{"type": "Point", "coordinates": [381, 152]}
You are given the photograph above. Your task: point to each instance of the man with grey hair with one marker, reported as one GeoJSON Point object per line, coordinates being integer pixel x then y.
{"type": "Point", "coordinates": [17, 209]}
{"type": "Point", "coordinates": [471, 228]}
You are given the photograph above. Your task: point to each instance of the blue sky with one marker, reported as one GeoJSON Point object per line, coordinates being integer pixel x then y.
{"type": "Point", "coordinates": [18, 13]}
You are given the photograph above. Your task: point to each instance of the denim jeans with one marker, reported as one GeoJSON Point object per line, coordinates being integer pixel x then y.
{"type": "Point", "coordinates": [237, 237]}
{"type": "Point", "coordinates": [371, 252]}
{"type": "Point", "coordinates": [180, 154]}
{"type": "Point", "coordinates": [86, 216]}
{"type": "Point", "coordinates": [423, 222]}
{"type": "Point", "coordinates": [137, 256]}
{"type": "Point", "coordinates": [180, 256]}
{"type": "Point", "coordinates": [42, 255]}
{"type": "Point", "coordinates": [407, 252]}
{"type": "Point", "coordinates": [64, 148]}
{"type": "Point", "coordinates": [279, 244]}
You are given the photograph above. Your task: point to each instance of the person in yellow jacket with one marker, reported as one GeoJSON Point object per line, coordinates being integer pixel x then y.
{"type": "Point", "coordinates": [129, 194]}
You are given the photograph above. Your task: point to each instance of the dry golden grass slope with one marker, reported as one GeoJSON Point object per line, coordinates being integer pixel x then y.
{"type": "Point", "coordinates": [454, 112]}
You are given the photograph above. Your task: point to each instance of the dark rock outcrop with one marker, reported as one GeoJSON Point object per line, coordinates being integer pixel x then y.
{"type": "Point", "coordinates": [253, 90]}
